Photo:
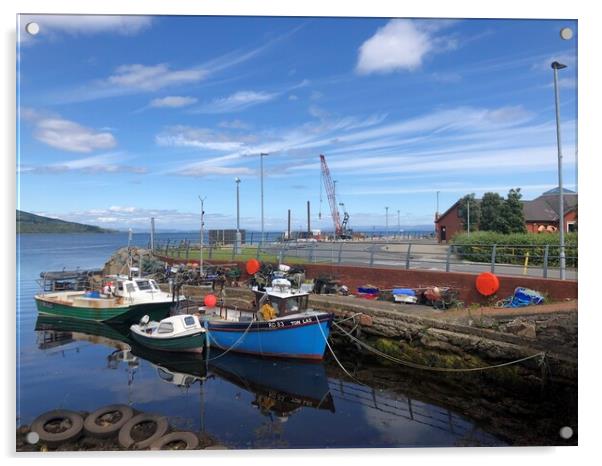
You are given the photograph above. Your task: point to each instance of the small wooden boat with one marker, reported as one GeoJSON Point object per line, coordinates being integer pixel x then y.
{"type": "Point", "coordinates": [281, 325]}
{"type": "Point", "coordinates": [122, 299]}
{"type": "Point", "coordinates": [175, 333]}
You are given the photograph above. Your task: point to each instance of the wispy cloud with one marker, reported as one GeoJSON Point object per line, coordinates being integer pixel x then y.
{"type": "Point", "coordinates": [401, 44]}
{"type": "Point", "coordinates": [98, 164]}
{"type": "Point", "coordinates": [236, 102]}
{"type": "Point", "coordinates": [52, 26]}
{"type": "Point", "coordinates": [201, 138]}
{"type": "Point", "coordinates": [172, 102]}
{"type": "Point", "coordinates": [67, 135]}
{"type": "Point", "coordinates": [152, 78]}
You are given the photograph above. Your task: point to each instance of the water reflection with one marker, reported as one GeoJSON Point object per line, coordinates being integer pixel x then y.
{"type": "Point", "coordinates": [252, 402]}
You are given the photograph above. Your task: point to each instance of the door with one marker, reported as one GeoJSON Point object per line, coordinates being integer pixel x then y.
{"type": "Point", "coordinates": [443, 235]}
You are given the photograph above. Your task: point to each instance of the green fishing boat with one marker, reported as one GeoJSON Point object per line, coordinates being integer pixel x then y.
{"type": "Point", "coordinates": [176, 333]}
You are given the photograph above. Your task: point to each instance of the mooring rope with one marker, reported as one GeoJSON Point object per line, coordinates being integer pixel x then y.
{"type": "Point", "coordinates": [431, 368]}
{"type": "Point", "coordinates": [231, 346]}
{"type": "Point", "coordinates": [334, 355]}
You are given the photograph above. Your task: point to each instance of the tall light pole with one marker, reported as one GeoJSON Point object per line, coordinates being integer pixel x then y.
{"type": "Point", "coordinates": [202, 199]}
{"type": "Point", "coordinates": [261, 156]}
{"type": "Point", "coordinates": [386, 221]}
{"type": "Point", "coordinates": [468, 215]}
{"type": "Point", "coordinates": [238, 236]}
{"type": "Point", "coordinates": [398, 224]}
{"type": "Point", "coordinates": [559, 66]}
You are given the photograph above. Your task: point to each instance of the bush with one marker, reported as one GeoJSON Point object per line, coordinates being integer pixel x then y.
{"type": "Point", "coordinates": [512, 248]}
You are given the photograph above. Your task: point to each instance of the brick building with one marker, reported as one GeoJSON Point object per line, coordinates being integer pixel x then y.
{"type": "Point", "coordinates": [541, 215]}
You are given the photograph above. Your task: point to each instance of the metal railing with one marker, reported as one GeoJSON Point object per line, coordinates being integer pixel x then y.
{"type": "Point", "coordinates": [529, 260]}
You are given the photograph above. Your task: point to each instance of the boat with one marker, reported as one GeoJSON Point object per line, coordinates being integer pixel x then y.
{"type": "Point", "coordinates": [280, 325]}
{"type": "Point", "coordinates": [176, 333]}
{"type": "Point", "coordinates": [122, 300]}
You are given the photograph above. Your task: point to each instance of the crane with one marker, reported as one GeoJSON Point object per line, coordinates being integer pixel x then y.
{"type": "Point", "coordinates": [340, 230]}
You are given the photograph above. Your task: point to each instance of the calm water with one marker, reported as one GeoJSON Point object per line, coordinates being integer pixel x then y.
{"type": "Point", "coordinates": [244, 402]}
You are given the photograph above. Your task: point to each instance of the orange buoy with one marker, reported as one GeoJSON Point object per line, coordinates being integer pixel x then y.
{"type": "Point", "coordinates": [253, 266]}
{"type": "Point", "coordinates": [487, 284]}
{"type": "Point", "coordinates": [210, 300]}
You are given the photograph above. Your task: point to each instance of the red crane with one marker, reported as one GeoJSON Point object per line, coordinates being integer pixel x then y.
{"type": "Point", "coordinates": [329, 185]}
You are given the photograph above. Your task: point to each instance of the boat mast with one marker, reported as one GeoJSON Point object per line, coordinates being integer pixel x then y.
{"type": "Point", "coordinates": [202, 231]}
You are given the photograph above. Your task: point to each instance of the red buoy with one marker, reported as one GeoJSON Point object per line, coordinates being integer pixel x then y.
{"type": "Point", "coordinates": [253, 266]}
{"type": "Point", "coordinates": [210, 300]}
{"type": "Point", "coordinates": [487, 284]}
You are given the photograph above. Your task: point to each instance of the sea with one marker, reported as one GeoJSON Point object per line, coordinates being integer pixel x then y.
{"type": "Point", "coordinates": [240, 401]}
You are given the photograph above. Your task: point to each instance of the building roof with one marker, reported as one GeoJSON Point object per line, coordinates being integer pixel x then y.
{"type": "Point", "coordinates": [541, 209]}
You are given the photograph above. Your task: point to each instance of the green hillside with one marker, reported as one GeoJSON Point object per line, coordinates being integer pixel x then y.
{"type": "Point", "coordinates": [31, 223]}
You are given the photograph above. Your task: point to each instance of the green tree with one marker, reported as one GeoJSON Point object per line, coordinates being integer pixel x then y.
{"type": "Point", "coordinates": [475, 211]}
{"type": "Point", "coordinates": [492, 214]}
{"type": "Point", "coordinates": [513, 212]}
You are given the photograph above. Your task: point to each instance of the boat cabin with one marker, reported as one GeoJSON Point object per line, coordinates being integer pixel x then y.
{"type": "Point", "coordinates": [123, 286]}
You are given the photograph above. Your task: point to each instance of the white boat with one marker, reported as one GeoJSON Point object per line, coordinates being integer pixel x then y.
{"type": "Point", "coordinates": [176, 333]}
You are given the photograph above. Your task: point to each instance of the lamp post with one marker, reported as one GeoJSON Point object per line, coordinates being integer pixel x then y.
{"type": "Point", "coordinates": [398, 224]}
{"type": "Point", "coordinates": [202, 199]}
{"type": "Point", "coordinates": [238, 235]}
{"type": "Point", "coordinates": [386, 221]}
{"type": "Point", "coordinates": [261, 156]}
{"type": "Point", "coordinates": [559, 66]}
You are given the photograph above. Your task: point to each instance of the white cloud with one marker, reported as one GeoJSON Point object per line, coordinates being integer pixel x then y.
{"type": "Point", "coordinates": [172, 101]}
{"type": "Point", "coordinates": [67, 135]}
{"type": "Point", "coordinates": [110, 163]}
{"type": "Point", "coordinates": [74, 25]}
{"type": "Point", "coordinates": [201, 138]}
{"type": "Point", "coordinates": [152, 78]}
{"type": "Point", "coordinates": [234, 124]}
{"type": "Point", "coordinates": [401, 44]}
{"type": "Point", "coordinates": [206, 170]}
{"type": "Point", "coordinates": [238, 101]}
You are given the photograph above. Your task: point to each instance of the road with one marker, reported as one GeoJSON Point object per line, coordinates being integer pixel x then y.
{"type": "Point", "coordinates": [424, 255]}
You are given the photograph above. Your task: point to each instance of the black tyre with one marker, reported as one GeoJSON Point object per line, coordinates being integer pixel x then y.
{"type": "Point", "coordinates": [94, 428]}
{"type": "Point", "coordinates": [125, 434]}
{"type": "Point", "coordinates": [40, 427]}
{"type": "Point", "coordinates": [189, 438]}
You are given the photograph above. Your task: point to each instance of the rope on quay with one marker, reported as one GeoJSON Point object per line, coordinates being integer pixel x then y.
{"type": "Point", "coordinates": [541, 355]}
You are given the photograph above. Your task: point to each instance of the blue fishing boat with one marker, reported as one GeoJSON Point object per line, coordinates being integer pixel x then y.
{"type": "Point", "coordinates": [280, 325]}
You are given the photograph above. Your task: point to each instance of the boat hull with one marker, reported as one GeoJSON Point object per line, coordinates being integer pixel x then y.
{"type": "Point", "coordinates": [191, 343]}
{"type": "Point", "coordinates": [302, 338]}
{"type": "Point", "coordinates": [114, 315]}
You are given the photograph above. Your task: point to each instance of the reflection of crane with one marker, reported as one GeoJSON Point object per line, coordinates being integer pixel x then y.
{"type": "Point", "coordinates": [339, 229]}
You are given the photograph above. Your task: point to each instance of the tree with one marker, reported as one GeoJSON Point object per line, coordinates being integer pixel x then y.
{"type": "Point", "coordinates": [492, 213]}
{"type": "Point", "coordinates": [475, 212]}
{"type": "Point", "coordinates": [513, 212]}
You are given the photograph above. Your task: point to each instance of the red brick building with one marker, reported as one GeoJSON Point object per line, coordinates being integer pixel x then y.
{"type": "Point", "coordinates": [541, 215]}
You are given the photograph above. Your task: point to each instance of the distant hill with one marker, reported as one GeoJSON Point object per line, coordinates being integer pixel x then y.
{"type": "Point", "coordinates": [31, 223]}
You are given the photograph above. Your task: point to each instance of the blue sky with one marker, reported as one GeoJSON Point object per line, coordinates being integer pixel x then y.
{"type": "Point", "coordinates": [124, 118]}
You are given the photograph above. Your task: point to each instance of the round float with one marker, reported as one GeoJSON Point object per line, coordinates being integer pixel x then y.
{"type": "Point", "coordinates": [39, 426]}
{"type": "Point", "coordinates": [190, 439]}
{"type": "Point", "coordinates": [125, 434]}
{"type": "Point", "coordinates": [487, 284]}
{"type": "Point", "coordinates": [210, 300]}
{"type": "Point", "coordinates": [252, 266]}
{"type": "Point", "coordinates": [92, 424]}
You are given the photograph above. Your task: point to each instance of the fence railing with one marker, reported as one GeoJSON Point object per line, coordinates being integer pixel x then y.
{"type": "Point", "coordinates": [531, 260]}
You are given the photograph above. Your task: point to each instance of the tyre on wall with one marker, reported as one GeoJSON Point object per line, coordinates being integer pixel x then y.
{"type": "Point", "coordinates": [190, 440]}
{"type": "Point", "coordinates": [97, 424]}
{"type": "Point", "coordinates": [125, 434]}
{"type": "Point", "coordinates": [72, 422]}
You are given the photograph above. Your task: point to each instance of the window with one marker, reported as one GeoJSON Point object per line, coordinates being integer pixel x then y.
{"type": "Point", "coordinates": [189, 321]}
{"type": "Point", "coordinates": [120, 286]}
{"type": "Point", "coordinates": [154, 285]}
{"type": "Point", "coordinates": [165, 327]}
{"type": "Point", "coordinates": [143, 285]}
{"type": "Point", "coordinates": [129, 287]}
{"type": "Point", "coordinates": [571, 227]}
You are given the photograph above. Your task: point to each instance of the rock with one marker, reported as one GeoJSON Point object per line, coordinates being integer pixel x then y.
{"type": "Point", "coordinates": [366, 320]}
{"type": "Point", "coordinates": [439, 345]}
{"type": "Point", "coordinates": [521, 328]}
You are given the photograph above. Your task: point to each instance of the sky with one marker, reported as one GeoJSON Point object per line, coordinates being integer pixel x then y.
{"type": "Point", "coordinates": [123, 118]}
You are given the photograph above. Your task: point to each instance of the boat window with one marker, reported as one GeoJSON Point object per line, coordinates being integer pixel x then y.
{"type": "Point", "coordinates": [292, 305]}
{"type": "Point", "coordinates": [164, 374]}
{"type": "Point", "coordinates": [165, 327]}
{"type": "Point", "coordinates": [143, 285]}
{"type": "Point", "coordinates": [129, 287]}
{"type": "Point", "coordinates": [189, 320]}
{"type": "Point", "coordinates": [154, 285]}
{"type": "Point", "coordinates": [120, 286]}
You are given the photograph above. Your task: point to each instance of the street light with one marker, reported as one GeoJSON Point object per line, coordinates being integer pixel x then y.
{"type": "Point", "coordinates": [559, 66]}
{"type": "Point", "coordinates": [238, 236]}
{"type": "Point", "coordinates": [202, 199]}
{"type": "Point", "coordinates": [386, 221]}
{"type": "Point", "coordinates": [261, 156]}
{"type": "Point", "coordinates": [398, 224]}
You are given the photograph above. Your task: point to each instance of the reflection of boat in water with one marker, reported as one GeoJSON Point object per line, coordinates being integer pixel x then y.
{"type": "Point", "coordinates": [280, 386]}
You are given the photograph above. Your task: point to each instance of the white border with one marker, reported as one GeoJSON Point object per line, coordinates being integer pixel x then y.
{"type": "Point", "coordinates": [589, 121]}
